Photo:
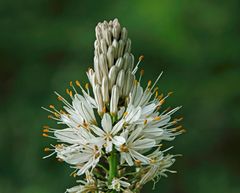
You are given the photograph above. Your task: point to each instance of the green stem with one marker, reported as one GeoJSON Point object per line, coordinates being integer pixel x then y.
{"type": "Point", "coordinates": [113, 161]}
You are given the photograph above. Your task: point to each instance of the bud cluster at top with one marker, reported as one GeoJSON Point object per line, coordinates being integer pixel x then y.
{"type": "Point", "coordinates": [112, 132]}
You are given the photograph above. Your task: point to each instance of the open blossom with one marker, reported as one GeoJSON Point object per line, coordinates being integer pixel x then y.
{"type": "Point", "coordinates": [111, 130]}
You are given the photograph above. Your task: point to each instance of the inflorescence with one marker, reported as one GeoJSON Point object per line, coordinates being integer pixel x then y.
{"type": "Point", "coordinates": [113, 127]}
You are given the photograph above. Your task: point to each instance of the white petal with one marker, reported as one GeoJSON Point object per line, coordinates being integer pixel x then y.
{"type": "Point", "coordinates": [139, 156]}
{"type": "Point", "coordinates": [98, 131]}
{"type": "Point", "coordinates": [118, 140]}
{"type": "Point", "coordinates": [117, 127]}
{"type": "Point", "coordinates": [109, 145]}
{"type": "Point", "coordinates": [127, 158]}
{"type": "Point", "coordinates": [107, 122]}
{"type": "Point", "coordinates": [143, 144]}
{"type": "Point", "coordinates": [135, 134]}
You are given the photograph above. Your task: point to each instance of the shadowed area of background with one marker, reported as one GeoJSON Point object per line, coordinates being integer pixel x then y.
{"type": "Point", "coordinates": [45, 44]}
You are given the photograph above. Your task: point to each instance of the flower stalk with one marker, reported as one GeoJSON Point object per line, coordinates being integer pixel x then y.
{"type": "Point", "coordinates": [113, 131]}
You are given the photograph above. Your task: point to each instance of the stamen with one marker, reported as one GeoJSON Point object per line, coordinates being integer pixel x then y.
{"type": "Point", "coordinates": [141, 58]}
{"type": "Point", "coordinates": [158, 118]}
{"type": "Point", "coordinates": [45, 130]}
{"type": "Point", "coordinates": [137, 162]}
{"type": "Point", "coordinates": [78, 83]}
{"type": "Point", "coordinates": [139, 61]}
{"type": "Point", "coordinates": [145, 121]}
{"type": "Point", "coordinates": [159, 76]}
{"type": "Point", "coordinates": [177, 128]}
{"type": "Point", "coordinates": [46, 149]}
{"type": "Point", "coordinates": [45, 135]}
{"type": "Point", "coordinates": [71, 84]}
{"type": "Point", "coordinates": [51, 107]}
{"type": "Point", "coordinates": [149, 83]}
{"type": "Point", "coordinates": [141, 75]}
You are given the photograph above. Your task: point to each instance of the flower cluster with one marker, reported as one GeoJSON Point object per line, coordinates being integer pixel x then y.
{"type": "Point", "coordinates": [113, 128]}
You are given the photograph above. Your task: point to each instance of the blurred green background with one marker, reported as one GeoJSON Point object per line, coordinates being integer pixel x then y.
{"type": "Point", "coordinates": [46, 43]}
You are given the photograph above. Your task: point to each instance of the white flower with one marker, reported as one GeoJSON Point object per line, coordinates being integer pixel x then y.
{"type": "Point", "coordinates": [108, 132]}
{"type": "Point", "coordinates": [159, 164]}
{"type": "Point", "coordinates": [90, 185]}
{"type": "Point", "coordinates": [84, 157]}
{"type": "Point", "coordinates": [115, 123]}
{"type": "Point", "coordinates": [135, 144]}
{"type": "Point", "coordinates": [118, 184]}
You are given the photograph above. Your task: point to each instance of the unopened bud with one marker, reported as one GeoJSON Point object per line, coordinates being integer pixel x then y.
{"type": "Point", "coordinates": [110, 56]}
{"type": "Point", "coordinates": [119, 63]}
{"type": "Point", "coordinates": [114, 100]}
{"type": "Point", "coordinates": [99, 99]}
{"type": "Point", "coordinates": [115, 45]}
{"type": "Point", "coordinates": [116, 29]}
{"type": "Point", "coordinates": [120, 80]}
{"type": "Point", "coordinates": [112, 76]}
{"type": "Point", "coordinates": [105, 93]}
{"type": "Point", "coordinates": [124, 34]}
{"type": "Point", "coordinates": [128, 46]}
{"type": "Point", "coordinates": [103, 46]}
{"type": "Point", "coordinates": [103, 64]}
{"type": "Point", "coordinates": [97, 70]}
{"type": "Point", "coordinates": [121, 45]}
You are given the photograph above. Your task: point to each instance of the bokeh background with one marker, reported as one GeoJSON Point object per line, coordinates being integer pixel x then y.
{"type": "Point", "coordinates": [46, 43]}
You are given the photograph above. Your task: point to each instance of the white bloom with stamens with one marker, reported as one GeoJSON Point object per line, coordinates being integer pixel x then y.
{"type": "Point", "coordinates": [119, 184]}
{"type": "Point", "coordinates": [134, 145]}
{"type": "Point", "coordinates": [108, 133]}
{"type": "Point", "coordinates": [113, 128]}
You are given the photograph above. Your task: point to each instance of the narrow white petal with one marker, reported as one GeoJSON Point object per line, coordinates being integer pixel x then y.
{"type": "Point", "coordinates": [107, 122]}
{"type": "Point", "coordinates": [118, 140]}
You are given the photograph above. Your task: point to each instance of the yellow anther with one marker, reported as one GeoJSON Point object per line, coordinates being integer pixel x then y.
{"type": "Point", "coordinates": [70, 93]}
{"type": "Point", "coordinates": [104, 109]}
{"type": "Point", "coordinates": [183, 130]}
{"type": "Point", "coordinates": [178, 119]}
{"type": "Point", "coordinates": [45, 127]}
{"type": "Point", "coordinates": [70, 83]}
{"type": "Point", "coordinates": [177, 128]}
{"type": "Point", "coordinates": [59, 98]}
{"type": "Point", "coordinates": [125, 114]}
{"type": "Point", "coordinates": [51, 106]}
{"type": "Point", "coordinates": [141, 58]}
{"type": "Point", "coordinates": [135, 82]}
{"type": "Point", "coordinates": [56, 114]}
{"type": "Point", "coordinates": [160, 97]}
{"type": "Point", "coordinates": [46, 149]}
{"type": "Point", "coordinates": [142, 72]}
{"type": "Point", "coordinates": [170, 93]}
{"type": "Point", "coordinates": [59, 146]}
{"type": "Point", "coordinates": [45, 130]}
{"type": "Point", "coordinates": [62, 112]}
{"type": "Point", "coordinates": [149, 83]}
{"type": "Point", "coordinates": [158, 118]}
{"type": "Point", "coordinates": [156, 94]}
{"type": "Point", "coordinates": [77, 83]}
{"type": "Point", "coordinates": [153, 161]}
{"type": "Point", "coordinates": [123, 148]}
{"type": "Point", "coordinates": [137, 162]}
{"type": "Point", "coordinates": [155, 89]}
{"type": "Point", "coordinates": [145, 121]}
{"type": "Point", "coordinates": [87, 86]}
{"type": "Point", "coordinates": [45, 135]}
{"type": "Point", "coordinates": [67, 91]}
{"type": "Point", "coordinates": [162, 101]}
